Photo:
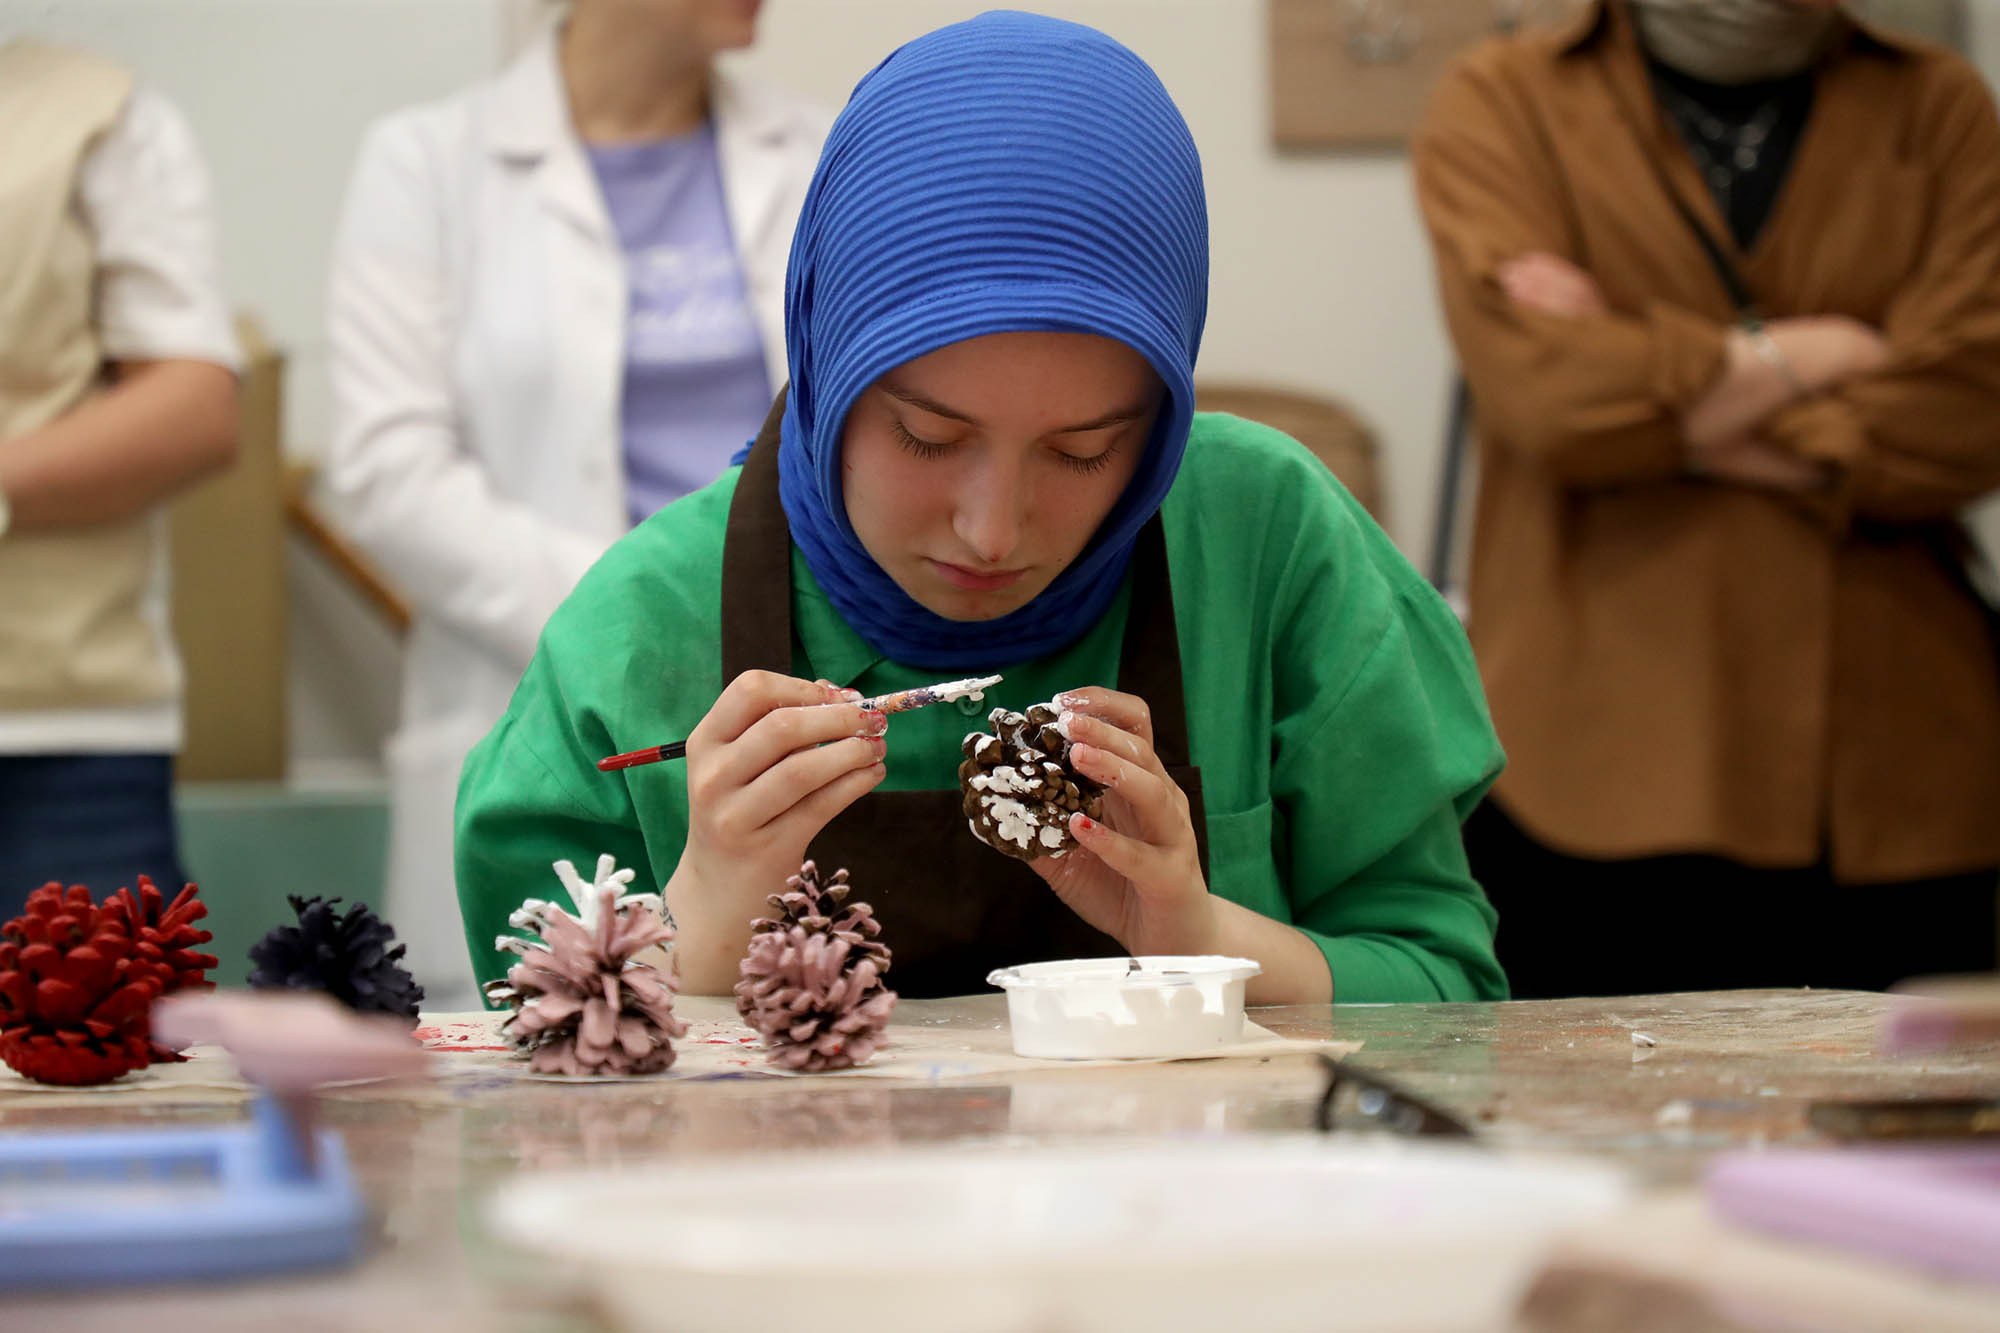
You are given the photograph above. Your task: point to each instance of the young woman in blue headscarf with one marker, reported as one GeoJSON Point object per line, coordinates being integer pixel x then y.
{"type": "Point", "coordinates": [988, 462]}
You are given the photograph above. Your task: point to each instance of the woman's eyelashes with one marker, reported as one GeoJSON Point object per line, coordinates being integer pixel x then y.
{"type": "Point", "coordinates": [1096, 462]}
{"type": "Point", "coordinates": [923, 448]}
{"type": "Point", "coordinates": [917, 445]}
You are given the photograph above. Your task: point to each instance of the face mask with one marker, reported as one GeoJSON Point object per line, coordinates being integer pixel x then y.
{"type": "Point", "coordinates": [1733, 41]}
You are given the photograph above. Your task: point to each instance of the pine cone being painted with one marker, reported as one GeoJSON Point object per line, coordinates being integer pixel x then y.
{"type": "Point", "coordinates": [346, 954]}
{"type": "Point", "coordinates": [76, 989]}
{"type": "Point", "coordinates": [581, 1004]}
{"type": "Point", "coordinates": [1020, 786]}
{"type": "Point", "coordinates": [812, 983]}
{"type": "Point", "coordinates": [165, 934]}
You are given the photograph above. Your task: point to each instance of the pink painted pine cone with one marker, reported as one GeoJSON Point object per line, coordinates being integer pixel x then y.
{"type": "Point", "coordinates": [580, 1006]}
{"type": "Point", "coordinates": [812, 983]}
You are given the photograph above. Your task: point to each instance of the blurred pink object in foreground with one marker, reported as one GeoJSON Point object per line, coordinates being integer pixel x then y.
{"type": "Point", "coordinates": [291, 1042]}
{"type": "Point", "coordinates": [1937, 1209]}
{"type": "Point", "coordinates": [1937, 1015]}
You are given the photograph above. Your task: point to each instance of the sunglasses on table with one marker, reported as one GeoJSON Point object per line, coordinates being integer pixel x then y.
{"type": "Point", "coordinates": [1356, 1099]}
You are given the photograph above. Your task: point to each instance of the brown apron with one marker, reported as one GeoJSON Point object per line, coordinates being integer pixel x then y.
{"type": "Point", "coordinates": [952, 909]}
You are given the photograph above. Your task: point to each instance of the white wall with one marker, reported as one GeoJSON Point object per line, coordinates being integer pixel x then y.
{"type": "Point", "coordinates": [1321, 278]}
{"type": "Point", "coordinates": [278, 92]}
{"type": "Point", "coordinates": [1984, 30]}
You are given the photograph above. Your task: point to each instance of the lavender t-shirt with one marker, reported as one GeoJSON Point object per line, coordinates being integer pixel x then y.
{"type": "Point", "coordinates": [695, 382]}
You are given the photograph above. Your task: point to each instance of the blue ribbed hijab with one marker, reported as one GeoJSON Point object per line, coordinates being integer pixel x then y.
{"type": "Point", "coordinates": [1006, 174]}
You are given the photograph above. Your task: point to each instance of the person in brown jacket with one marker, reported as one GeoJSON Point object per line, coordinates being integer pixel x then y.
{"type": "Point", "coordinates": [1724, 279]}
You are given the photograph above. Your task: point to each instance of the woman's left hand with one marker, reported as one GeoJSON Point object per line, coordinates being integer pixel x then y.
{"type": "Point", "coordinates": [1136, 874]}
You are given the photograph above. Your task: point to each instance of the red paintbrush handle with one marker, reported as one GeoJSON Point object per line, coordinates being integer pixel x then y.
{"type": "Point", "coordinates": [652, 754]}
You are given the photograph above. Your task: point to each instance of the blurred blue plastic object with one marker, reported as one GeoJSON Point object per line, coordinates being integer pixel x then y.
{"type": "Point", "coordinates": [86, 1209]}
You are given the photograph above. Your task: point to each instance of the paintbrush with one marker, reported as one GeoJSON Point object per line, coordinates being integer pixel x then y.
{"type": "Point", "coordinates": [902, 701]}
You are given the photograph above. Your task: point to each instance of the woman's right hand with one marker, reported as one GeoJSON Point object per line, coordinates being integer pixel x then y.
{"type": "Point", "coordinates": [771, 764]}
{"type": "Point", "coordinates": [1828, 350]}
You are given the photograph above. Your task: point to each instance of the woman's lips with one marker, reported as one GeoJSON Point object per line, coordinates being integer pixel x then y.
{"type": "Point", "coordinates": [973, 580]}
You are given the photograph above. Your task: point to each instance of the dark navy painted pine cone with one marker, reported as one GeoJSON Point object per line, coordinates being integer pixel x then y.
{"type": "Point", "coordinates": [347, 955]}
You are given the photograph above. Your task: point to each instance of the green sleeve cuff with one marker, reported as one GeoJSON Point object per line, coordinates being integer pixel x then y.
{"type": "Point", "coordinates": [1375, 970]}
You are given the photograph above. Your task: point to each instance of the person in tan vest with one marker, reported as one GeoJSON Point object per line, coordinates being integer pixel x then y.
{"type": "Point", "coordinates": [117, 389]}
{"type": "Point", "coordinates": [1724, 278]}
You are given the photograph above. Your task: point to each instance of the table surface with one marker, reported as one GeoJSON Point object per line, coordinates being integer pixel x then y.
{"type": "Point", "coordinates": [1727, 1069]}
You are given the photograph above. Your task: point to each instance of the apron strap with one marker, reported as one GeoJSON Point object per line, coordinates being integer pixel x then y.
{"type": "Point", "coordinates": [1150, 664]}
{"type": "Point", "coordinates": [1150, 667]}
{"type": "Point", "coordinates": [757, 563]}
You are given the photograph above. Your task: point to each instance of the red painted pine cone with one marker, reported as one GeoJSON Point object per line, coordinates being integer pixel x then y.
{"type": "Point", "coordinates": [166, 935]}
{"type": "Point", "coordinates": [75, 990]}
{"type": "Point", "coordinates": [166, 932]}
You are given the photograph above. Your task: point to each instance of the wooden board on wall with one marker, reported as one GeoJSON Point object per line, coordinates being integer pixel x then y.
{"type": "Point", "coordinates": [1355, 74]}
{"type": "Point", "coordinates": [228, 591]}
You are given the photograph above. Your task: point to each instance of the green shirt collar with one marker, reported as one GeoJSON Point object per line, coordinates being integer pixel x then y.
{"type": "Point", "coordinates": [833, 650]}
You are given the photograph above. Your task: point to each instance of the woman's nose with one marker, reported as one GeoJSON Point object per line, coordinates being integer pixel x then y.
{"type": "Point", "coordinates": [988, 514]}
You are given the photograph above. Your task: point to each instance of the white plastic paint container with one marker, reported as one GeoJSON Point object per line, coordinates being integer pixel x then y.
{"type": "Point", "coordinates": [1277, 1233]}
{"type": "Point", "coordinates": [1125, 1008]}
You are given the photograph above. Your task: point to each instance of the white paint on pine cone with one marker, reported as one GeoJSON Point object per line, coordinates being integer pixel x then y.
{"type": "Point", "coordinates": [588, 897]}
{"type": "Point", "coordinates": [1009, 781]}
{"type": "Point", "coordinates": [1012, 819]}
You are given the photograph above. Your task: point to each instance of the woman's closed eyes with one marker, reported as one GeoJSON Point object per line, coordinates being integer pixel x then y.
{"type": "Point", "coordinates": [923, 448]}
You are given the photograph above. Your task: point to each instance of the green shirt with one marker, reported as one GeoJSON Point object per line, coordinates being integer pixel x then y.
{"type": "Point", "coordinates": [1333, 709]}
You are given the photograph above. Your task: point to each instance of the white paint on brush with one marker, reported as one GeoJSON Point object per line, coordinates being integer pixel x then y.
{"type": "Point", "coordinates": [973, 687]}
{"type": "Point", "coordinates": [902, 701]}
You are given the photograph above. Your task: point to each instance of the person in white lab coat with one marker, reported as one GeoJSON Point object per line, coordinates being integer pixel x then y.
{"type": "Point", "coordinates": [556, 305]}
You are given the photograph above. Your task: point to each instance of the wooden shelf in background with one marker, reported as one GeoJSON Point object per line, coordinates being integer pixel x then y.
{"type": "Point", "coordinates": [354, 569]}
